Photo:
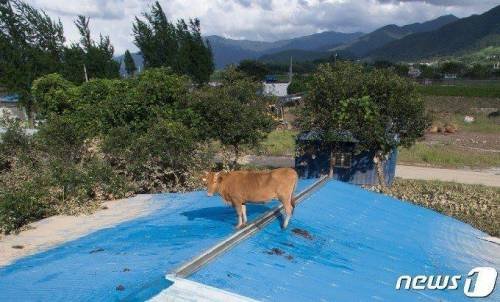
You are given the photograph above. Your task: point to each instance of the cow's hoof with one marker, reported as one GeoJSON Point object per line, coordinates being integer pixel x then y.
{"type": "Point", "coordinates": [240, 226]}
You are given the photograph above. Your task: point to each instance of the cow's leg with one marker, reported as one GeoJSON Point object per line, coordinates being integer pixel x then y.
{"type": "Point", "coordinates": [239, 210]}
{"type": "Point", "coordinates": [244, 212]}
{"type": "Point", "coordinates": [287, 205]}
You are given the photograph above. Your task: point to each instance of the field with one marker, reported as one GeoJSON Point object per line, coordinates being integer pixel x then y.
{"type": "Point", "coordinates": [279, 143]}
{"type": "Point", "coordinates": [448, 156]}
{"type": "Point", "coordinates": [465, 89]}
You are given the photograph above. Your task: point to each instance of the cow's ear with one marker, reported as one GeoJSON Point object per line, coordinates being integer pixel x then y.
{"type": "Point", "coordinates": [219, 178]}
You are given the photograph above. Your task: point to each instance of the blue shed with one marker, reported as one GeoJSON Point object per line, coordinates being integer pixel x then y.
{"type": "Point", "coordinates": [313, 159]}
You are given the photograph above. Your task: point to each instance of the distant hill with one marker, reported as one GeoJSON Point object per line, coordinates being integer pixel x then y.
{"type": "Point", "coordinates": [298, 55]}
{"type": "Point", "coordinates": [380, 37]}
{"type": "Point", "coordinates": [229, 51]}
{"type": "Point", "coordinates": [458, 37]}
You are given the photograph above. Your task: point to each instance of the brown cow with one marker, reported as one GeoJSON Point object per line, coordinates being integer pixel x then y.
{"type": "Point", "coordinates": [240, 187]}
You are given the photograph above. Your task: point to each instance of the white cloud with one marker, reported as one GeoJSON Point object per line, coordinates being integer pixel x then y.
{"type": "Point", "coordinates": [256, 19]}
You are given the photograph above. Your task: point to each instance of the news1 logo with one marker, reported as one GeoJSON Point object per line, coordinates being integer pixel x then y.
{"type": "Point", "coordinates": [479, 283]}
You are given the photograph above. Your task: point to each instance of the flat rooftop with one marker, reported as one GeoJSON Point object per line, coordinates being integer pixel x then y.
{"type": "Point", "coordinates": [343, 244]}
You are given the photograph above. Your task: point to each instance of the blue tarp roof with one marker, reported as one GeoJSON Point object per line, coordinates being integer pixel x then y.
{"type": "Point", "coordinates": [349, 244]}
{"type": "Point", "coordinates": [343, 243]}
{"type": "Point", "coordinates": [135, 254]}
{"type": "Point", "coordinates": [13, 98]}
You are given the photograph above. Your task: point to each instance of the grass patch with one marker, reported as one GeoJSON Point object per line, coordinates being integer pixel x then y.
{"type": "Point", "coordinates": [481, 124]}
{"type": "Point", "coordinates": [448, 156]}
{"type": "Point", "coordinates": [279, 143]}
{"type": "Point", "coordinates": [459, 104]}
{"type": "Point", "coordinates": [474, 204]}
{"type": "Point", "coordinates": [489, 89]}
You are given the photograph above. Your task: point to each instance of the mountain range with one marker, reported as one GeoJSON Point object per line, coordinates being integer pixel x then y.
{"type": "Point", "coordinates": [229, 51]}
{"type": "Point", "coordinates": [443, 36]}
{"type": "Point", "coordinates": [456, 38]}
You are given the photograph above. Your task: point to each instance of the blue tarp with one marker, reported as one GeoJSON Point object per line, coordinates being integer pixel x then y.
{"type": "Point", "coordinates": [349, 244]}
{"type": "Point", "coordinates": [128, 261]}
{"type": "Point", "coordinates": [343, 244]}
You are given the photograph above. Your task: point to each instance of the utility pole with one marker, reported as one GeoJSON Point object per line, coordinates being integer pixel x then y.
{"type": "Point", "coordinates": [85, 71]}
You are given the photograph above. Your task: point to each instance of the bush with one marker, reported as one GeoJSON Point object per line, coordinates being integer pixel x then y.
{"type": "Point", "coordinates": [22, 206]}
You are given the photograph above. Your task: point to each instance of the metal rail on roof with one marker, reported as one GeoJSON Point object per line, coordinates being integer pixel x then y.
{"type": "Point", "coordinates": [199, 261]}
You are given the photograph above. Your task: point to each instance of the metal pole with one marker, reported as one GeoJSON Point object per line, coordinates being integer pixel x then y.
{"type": "Point", "coordinates": [85, 71]}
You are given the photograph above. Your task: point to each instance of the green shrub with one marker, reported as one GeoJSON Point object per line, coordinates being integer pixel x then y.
{"type": "Point", "coordinates": [22, 206]}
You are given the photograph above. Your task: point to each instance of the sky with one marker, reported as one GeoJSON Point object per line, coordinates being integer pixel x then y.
{"type": "Point", "coordinates": [263, 20]}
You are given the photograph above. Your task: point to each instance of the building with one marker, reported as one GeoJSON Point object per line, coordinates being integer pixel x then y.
{"type": "Point", "coordinates": [414, 72]}
{"type": "Point", "coordinates": [313, 160]}
{"type": "Point", "coordinates": [9, 106]}
{"type": "Point", "coordinates": [272, 87]}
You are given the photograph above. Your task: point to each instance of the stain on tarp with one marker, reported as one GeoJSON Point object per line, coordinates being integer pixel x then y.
{"type": "Point", "coordinates": [275, 251]}
{"type": "Point", "coordinates": [279, 252]}
{"type": "Point", "coordinates": [120, 287]}
{"type": "Point", "coordinates": [96, 251]}
{"type": "Point", "coordinates": [18, 247]}
{"type": "Point", "coordinates": [302, 233]}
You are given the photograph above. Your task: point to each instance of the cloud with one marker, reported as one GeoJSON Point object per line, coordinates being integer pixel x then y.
{"type": "Point", "coordinates": [468, 3]}
{"type": "Point", "coordinates": [256, 19]}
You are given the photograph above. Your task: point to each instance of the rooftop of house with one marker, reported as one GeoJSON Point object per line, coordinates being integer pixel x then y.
{"type": "Point", "coordinates": [343, 243]}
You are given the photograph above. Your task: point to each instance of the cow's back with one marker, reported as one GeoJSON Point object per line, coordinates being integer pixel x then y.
{"type": "Point", "coordinates": [259, 186]}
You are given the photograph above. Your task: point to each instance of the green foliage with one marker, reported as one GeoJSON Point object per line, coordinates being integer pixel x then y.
{"type": "Point", "coordinates": [254, 69]}
{"type": "Point", "coordinates": [50, 94]}
{"type": "Point", "coordinates": [31, 45]}
{"type": "Point", "coordinates": [94, 58]}
{"type": "Point", "coordinates": [22, 206]}
{"type": "Point", "coordinates": [129, 63]}
{"type": "Point", "coordinates": [233, 113]}
{"type": "Point", "coordinates": [107, 139]}
{"type": "Point", "coordinates": [179, 47]}
{"type": "Point", "coordinates": [379, 108]}
{"type": "Point", "coordinates": [298, 84]}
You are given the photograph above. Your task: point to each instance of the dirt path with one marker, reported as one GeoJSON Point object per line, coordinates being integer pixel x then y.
{"type": "Point", "coordinates": [489, 177]}
{"type": "Point", "coordinates": [47, 233]}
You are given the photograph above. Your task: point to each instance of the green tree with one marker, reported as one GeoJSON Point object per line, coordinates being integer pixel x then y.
{"type": "Point", "coordinates": [31, 45]}
{"type": "Point", "coordinates": [179, 47]}
{"type": "Point", "coordinates": [379, 108]}
{"type": "Point", "coordinates": [129, 63]}
{"type": "Point", "coordinates": [89, 59]}
{"type": "Point", "coordinates": [255, 69]}
{"type": "Point", "coordinates": [234, 113]}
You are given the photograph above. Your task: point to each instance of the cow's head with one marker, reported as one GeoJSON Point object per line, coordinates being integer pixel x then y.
{"type": "Point", "coordinates": [211, 179]}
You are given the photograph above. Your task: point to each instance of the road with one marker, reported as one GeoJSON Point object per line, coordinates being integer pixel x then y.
{"type": "Point", "coordinates": [489, 177]}
{"type": "Point", "coordinates": [486, 177]}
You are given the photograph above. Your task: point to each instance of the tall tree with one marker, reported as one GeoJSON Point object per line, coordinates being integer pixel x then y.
{"type": "Point", "coordinates": [129, 63]}
{"type": "Point", "coordinates": [90, 57]}
{"type": "Point", "coordinates": [180, 47]}
{"type": "Point", "coordinates": [31, 45]}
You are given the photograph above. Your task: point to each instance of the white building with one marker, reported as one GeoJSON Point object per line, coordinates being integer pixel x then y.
{"type": "Point", "coordinates": [276, 89]}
